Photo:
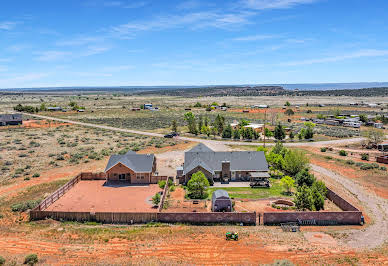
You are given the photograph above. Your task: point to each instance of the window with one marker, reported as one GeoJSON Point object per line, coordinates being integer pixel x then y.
{"type": "Point", "coordinates": [121, 176]}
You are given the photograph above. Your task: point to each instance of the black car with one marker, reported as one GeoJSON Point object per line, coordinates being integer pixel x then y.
{"type": "Point", "coordinates": [171, 135]}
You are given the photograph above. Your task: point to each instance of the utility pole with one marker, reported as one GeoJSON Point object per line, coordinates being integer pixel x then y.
{"type": "Point", "coordinates": [265, 121]}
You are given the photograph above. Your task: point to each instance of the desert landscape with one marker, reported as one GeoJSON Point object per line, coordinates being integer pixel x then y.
{"type": "Point", "coordinates": [51, 147]}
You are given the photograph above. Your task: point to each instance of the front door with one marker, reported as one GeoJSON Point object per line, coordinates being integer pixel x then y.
{"type": "Point", "coordinates": [121, 176]}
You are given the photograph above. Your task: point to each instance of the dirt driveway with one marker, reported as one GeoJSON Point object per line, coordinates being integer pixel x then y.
{"type": "Point", "coordinates": [374, 234]}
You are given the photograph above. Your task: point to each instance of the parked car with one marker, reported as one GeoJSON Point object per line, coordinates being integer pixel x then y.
{"type": "Point", "coordinates": [169, 136]}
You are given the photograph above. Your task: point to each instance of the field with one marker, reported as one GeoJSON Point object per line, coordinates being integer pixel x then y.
{"type": "Point", "coordinates": [40, 156]}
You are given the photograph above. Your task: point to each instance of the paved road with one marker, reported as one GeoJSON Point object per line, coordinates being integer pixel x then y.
{"type": "Point", "coordinates": [374, 234]}
{"type": "Point", "coordinates": [205, 141]}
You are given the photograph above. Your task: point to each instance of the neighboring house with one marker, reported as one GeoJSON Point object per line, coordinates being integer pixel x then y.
{"type": "Point", "coordinates": [11, 119]}
{"type": "Point", "coordinates": [132, 167]}
{"type": "Point", "coordinates": [54, 108]}
{"type": "Point", "coordinates": [221, 201]}
{"type": "Point", "coordinates": [223, 166]}
{"type": "Point", "coordinates": [255, 127]}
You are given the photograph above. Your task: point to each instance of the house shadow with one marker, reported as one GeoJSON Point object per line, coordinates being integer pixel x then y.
{"type": "Point", "coordinates": [118, 184]}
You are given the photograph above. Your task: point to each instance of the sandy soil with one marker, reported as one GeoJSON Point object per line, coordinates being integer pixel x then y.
{"type": "Point", "coordinates": [99, 196]}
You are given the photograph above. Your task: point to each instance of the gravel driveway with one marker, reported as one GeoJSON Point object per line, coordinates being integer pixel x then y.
{"type": "Point", "coordinates": [374, 234]}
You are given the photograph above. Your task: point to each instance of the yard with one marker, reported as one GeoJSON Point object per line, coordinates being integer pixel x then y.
{"type": "Point", "coordinates": [275, 191]}
{"type": "Point", "coordinates": [97, 196]}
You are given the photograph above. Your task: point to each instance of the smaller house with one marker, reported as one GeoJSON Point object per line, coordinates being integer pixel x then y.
{"type": "Point", "coordinates": [221, 201]}
{"type": "Point", "coordinates": [54, 108]}
{"type": "Point", "coordinates": [383, 147]}
{"type": "Point", "coordinates": [11, 119]}
{"type": "Point", "coordinates": [131, 167]}
{"type": "Point", "coordinates": [378, 125]}
{"type": "Point", "coordinates": [148, 106]}
{"type": "Point", "coordinates": [255, 127]}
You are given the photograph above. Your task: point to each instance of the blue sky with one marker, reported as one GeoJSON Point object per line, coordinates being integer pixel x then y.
{"type": "Point", "coordinates": [192, 42]}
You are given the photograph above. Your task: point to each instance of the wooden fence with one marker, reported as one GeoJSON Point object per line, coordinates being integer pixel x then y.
{"type": "Point", "coordinates": [66, 187]}
{"type": "Point", "coordinates": [382, 159]}
{"type": "Point", "coordinates": [156, 178]}
{"type": "Point", "coordinates": [164, 195]}
{"type": "Point", "coordinates": [246, 218]}
{"type": "Point", "coordinates": [349, 215]}
{"type": "Point", "coordinates": [58, 193]}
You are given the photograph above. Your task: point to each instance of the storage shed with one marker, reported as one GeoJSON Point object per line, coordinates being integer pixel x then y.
{"type": "Point", "coordinates": [221, 201]}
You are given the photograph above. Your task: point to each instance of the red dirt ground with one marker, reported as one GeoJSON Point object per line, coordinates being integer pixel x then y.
{"type": "Point", "coordinates": [95, 196]}
{"type": "Point", "coordinates": [178, 203]}
{"type": "Point", "coordinates": [43, 124]}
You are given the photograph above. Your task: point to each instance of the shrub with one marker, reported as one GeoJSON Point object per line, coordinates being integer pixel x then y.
{"type": "Point", "coordinates": [2, 260]}
{"type": "Point", "coordinates": [23, 206]}
{"type": "Point", "coordinates": [31, 259]}
{"type": "Point", "coordinates": [156, 199]}
{"type": "Point", "coordinates": [328, 157]}
{"type": "Point", "coordinates": [350, 162]}
{"type": "Point", "coordinates": [36, 175]}
{"type": "Point", "coordinates": [365, 156]}
{"type": "Point", "coordinates": [366, 166]}
{"type": "Point", "coordinates": [162, 184]}
{"type": "Point", "coordinates": [383, 168]}
{"type": "Point", "coordinates": [375, 165]}
{"type": "Point", "coordinates": [343, 153]}
{"type": "Point", "coordinates": [323, 149]}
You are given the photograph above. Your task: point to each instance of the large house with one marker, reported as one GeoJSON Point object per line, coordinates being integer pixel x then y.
{"type": "Point", "coordinates": [10, 119]}
{"type": "Point", "coordinates": [131, 167]}
{"type": "Point", "coordinates": [224, 166]}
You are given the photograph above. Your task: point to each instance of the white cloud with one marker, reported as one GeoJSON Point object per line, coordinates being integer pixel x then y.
{"type": "Point", "coordinates": [93, 50]}
{"type": "Point", "coordinates": [329, 59]}
{"type": "Point", "coordinates": [4, 60]}
{"type": "Point", "coordinates": [136, 4]}
{"type": "Point", "coordinates": [7, 25]}
{"type": "Point", "coordinates": [255, 38]}
{"type": "Point", "coordinates": [79, 41]}
{"type": "Point", "coordinates": [46, 56]}
{"type": "Point", "coordinates": [194, 20]}
{"type": "Point", "coordinates": [17, 47]}
{"type": "Point", "coordinates": [274, 4]}
{"type": "Point", "coordinates": [20, 80]}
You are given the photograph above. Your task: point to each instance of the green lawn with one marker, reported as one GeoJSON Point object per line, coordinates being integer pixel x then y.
{"type": "Point", "coordinates": [253, 193]}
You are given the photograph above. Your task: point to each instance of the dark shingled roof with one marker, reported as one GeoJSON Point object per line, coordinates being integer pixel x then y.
{"type": "Point", "coordinates": [212, 161]}
{"type": "Point", "coordinates": [220, 193]}
{"type": "Point", "coordinates": [10, 117]}
{"type": "Point", "coordinates": [140, 163]}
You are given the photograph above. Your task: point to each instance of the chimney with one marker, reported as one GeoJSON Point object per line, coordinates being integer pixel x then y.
{"type": "Point", "coordinates": [225, 170]}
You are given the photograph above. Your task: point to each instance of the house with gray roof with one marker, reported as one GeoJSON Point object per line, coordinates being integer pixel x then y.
{"type": "Point", "coordinates": [11, 119]}
{"type": "Point", "coordinates": [224, 166]}
{"type": "Point", "coordinates": [131, 167]}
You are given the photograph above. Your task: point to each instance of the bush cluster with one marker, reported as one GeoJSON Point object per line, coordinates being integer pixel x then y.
{"type": "Point", "coordinates": [24, 206]}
